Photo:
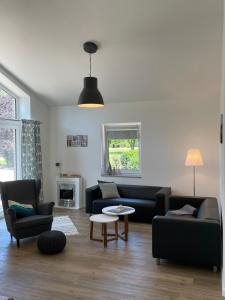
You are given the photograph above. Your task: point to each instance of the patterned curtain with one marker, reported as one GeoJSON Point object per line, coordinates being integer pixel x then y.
{"type": "Point", "coordinates": [31, 151]}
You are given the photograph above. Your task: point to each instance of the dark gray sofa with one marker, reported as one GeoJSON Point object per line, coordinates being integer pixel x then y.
{"type": "Point", "coordinates": [189, 239]}
{"type": "Point", "coordinates": [148, 201]}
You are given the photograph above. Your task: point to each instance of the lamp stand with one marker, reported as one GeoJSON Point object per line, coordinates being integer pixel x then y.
{"type": "Point", "coordinates": [194, 180]}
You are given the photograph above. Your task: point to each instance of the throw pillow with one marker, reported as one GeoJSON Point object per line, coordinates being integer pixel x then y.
{"type": "Point", "coordinates": [22, 210]}
{"type": "Point", "coordinates": [109, 190]}
{"type": "Point", "coordinates": [101, 181]}
{"type": "Point", "coordinates": [185, 210]}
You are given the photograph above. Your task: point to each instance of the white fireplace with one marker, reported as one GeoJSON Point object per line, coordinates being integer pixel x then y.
{"type": "Point", "coordinates": [69, 192]}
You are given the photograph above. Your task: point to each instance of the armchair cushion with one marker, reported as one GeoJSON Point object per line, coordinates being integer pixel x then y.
{"type": "Point", "coordinates": [11, 202]}
{"type": "Point", "coordinates": [32, 221]}
{"type": "Point", "coordinates": [22, 210]}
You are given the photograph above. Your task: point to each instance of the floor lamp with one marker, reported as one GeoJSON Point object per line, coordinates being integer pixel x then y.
{"type": "Point", "coordinates": [194, 159]}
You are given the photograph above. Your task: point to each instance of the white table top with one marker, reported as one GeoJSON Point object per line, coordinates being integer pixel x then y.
{"type": "Point", "coordinates": [107, 211]}
{"type": "Point", "coordinates": [103, 218]}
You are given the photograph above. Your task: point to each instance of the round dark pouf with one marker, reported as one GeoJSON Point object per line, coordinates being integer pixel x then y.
{"type": "Point", "coordinates": [51, 242]}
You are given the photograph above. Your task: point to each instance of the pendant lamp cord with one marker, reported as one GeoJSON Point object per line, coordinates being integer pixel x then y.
{"type": "Point", "coordinates": [90, 64]}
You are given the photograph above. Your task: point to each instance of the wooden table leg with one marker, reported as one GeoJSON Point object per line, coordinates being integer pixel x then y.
{"type": "Point", "coordinates": [91, 230]}
{"type": "Point", "coordinates": [116, 229]}
{"type": "Point", "coordinates": [102, 229]}
{"type": "Point", "coordinates": [105, 235]}
{"type": "Point", "coordinates": [126, 228]}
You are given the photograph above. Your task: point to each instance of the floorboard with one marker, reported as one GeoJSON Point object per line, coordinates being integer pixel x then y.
{"type": "Point", "coordinates": [85, 270]}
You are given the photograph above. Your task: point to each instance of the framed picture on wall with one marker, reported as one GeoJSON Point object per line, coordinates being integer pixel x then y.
{"type": "Point", "coordinates": [84, 141]}
{"type": "Point", "coordinates": [77, 140]}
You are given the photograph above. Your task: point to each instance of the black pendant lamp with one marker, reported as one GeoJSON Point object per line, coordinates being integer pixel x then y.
{"type": "Point", "coordinates": [90, 96]}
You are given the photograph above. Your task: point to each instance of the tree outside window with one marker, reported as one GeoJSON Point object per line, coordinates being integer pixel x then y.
{"type": "Point", "coordinates": [121, 149]}
{"type": "Point", "coordinates": [7, 137]}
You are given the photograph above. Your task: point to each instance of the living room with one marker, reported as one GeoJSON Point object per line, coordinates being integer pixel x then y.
{"type": "Point", "coordinates": [159, 69]}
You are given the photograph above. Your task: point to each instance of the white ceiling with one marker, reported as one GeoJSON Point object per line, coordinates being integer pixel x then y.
{"type": "Point", "coordinates": [149, 49]}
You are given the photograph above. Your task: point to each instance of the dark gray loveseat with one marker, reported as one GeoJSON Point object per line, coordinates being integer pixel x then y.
{"type": "Point", "coordinates": [189, 239]}
{"type": "Point", "coordinates": [148, 201]}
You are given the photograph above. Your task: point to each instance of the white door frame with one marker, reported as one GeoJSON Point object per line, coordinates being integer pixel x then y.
{"type": "Point", "coordinates": [17, 126]}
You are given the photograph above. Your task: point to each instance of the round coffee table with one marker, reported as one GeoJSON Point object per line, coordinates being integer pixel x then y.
{"type": "Point", "coordinates": [104, 220]}
{"type": "Point", "coordinates": [118, 210]}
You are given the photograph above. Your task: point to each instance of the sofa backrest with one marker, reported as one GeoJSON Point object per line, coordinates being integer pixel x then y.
{"type": "Point", "coordinates": [209, 210]}
{"type": "Point", "coordinates": [138, 191]}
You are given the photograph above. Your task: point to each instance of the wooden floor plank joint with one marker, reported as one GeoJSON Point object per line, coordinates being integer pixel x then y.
{"type": "Point", "coordinates": [86, 270]}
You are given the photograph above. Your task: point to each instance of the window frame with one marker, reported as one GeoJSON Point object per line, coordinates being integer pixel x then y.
{"type": "Point", "coordinates": [104, 151]}
{"type": "Point", "coordinates": [16, 125]}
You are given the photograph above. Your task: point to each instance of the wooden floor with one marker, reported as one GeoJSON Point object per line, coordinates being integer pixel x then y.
{"type": "Point", "coordinates": [85, 270]}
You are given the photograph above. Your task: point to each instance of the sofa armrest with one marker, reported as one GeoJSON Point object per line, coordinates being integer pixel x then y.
{"type": "Point", "coordinates": [177, 202]}
{"type": "Point", "coordinates": [45, 208]}
{"type": "Point", "coordinates": [162, 200]}
{"type": "Point", "coordinates": [188, 239]}
{"type": "Point", "coordinates": [92, 193]}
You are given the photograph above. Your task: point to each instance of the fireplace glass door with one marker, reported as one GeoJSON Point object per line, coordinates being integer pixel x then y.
{"type": "Point", "coordinates": [66, 195]}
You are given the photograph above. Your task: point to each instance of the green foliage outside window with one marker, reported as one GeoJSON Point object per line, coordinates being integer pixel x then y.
{"type": "Point", "coordinates": [124, 154]}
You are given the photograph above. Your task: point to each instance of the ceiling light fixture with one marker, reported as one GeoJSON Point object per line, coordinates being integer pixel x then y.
{"type": "Point", "coordinates": [90, 96]}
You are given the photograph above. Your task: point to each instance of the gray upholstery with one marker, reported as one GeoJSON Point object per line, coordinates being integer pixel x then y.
{"type": "Point", "coordinates": [148, 201]}
{"type": "Point", "coordinates": [109, 190]}
{"type": "Point", "coordinates": [127, 202]}
{"type": "Point", "coordinates": [208, 210]}
{"type": "Point", "coordinates": [32, 221]}
{"type": "Point", "coordinates": [189, 239]}
{"type": "Point", "coordinates": [25, 191]}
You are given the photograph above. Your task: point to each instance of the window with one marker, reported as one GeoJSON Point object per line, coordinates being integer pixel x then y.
{"type": "Point", "coordinates": [7, 105]}
{"type": "Point", "coordinates": [9, 137]}
{"type": "Point", "coordinates": [121, 150]}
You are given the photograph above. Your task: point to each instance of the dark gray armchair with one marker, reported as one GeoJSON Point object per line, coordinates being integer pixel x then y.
{"type": "Point", "coordinates": [26, 192]}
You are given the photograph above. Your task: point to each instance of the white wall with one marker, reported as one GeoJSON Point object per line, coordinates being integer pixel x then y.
{"type": "Point", "coordinates": [168, 130]}
{"type": "Point", "coordinates": [222, 153]}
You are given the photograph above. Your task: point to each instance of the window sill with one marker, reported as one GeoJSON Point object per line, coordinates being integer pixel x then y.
{"type": "Point", "coordinates": [122, 175]}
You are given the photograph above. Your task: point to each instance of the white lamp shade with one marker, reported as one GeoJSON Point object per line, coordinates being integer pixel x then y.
{"type": "Point", "coordinates": [194, 158]}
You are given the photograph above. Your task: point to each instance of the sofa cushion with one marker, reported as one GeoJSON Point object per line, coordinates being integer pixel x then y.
{"type": "Point", "coordinates": [33, 221]}
{"type": "Point", "coordinates": [209, 210]}
{"type": "Point", "coordinates": [138, 191]}
{"type": "Point", "coordinates": [109, 190]}
{"type": "Point", "coordinates": [125, 201]}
